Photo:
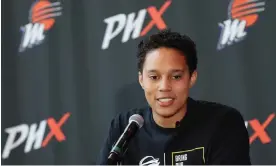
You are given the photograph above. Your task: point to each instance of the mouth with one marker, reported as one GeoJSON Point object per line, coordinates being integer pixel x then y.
{"type": "Point", "coordinates": [165, 101]}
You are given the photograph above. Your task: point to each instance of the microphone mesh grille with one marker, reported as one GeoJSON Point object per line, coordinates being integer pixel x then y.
{"type": "Point", "coordinates": [137, 119]}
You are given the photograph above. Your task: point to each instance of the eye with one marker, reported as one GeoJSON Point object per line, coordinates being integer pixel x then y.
{"type": "Point", "coordinates": [153, 77]}
{"type": "Point", "coordinates": [177, 77]}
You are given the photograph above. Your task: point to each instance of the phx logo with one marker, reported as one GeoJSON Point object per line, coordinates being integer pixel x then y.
{"type": "Point", "coordinates": [242, 14]}
{"type": "Point", "coordinates": [133, 24]}
{"type": "Point", "coordinates": [41, 18]}
{"type": "Point", "coordinates": [33, 135]}
{"type": "Point", "coordinates": [259, 129]}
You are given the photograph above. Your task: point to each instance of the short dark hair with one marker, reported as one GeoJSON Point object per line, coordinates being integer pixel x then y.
{"type": "Point", "coordinates": [169, 39]}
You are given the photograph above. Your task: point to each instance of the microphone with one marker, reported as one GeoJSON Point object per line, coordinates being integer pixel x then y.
{"type": "Point", "coordinates": [136, 121]}
{"type": "Point", "coordinates": [177, 124]}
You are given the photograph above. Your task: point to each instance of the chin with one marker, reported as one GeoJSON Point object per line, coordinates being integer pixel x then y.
{"type": "Point", "coordinates": [166, 113]}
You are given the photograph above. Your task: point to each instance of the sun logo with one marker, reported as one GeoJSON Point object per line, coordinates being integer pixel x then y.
{"type": "Point", "coordinates": [42, 18]}
{"type": "Point", "coordinates": [242, 14]}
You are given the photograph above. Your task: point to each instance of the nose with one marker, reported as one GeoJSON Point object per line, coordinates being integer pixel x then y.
{"type": "Point", "coordinates": [165, 85]}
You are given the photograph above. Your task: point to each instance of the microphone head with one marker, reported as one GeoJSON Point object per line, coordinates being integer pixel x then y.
{"type": "Point", "coordinates": [138, 119]}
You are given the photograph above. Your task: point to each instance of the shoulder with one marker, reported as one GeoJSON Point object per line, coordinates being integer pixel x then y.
{"type": "Point", "coordinates": [219, 120]}
{"type": "Point", "coordinates": [227, 133]}
{"type": "Point", "coordinates": [217, 110]}
{"type": "Point", "coordinates": [214, 113]}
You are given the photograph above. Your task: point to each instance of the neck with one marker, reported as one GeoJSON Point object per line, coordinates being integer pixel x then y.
{"type": "Point", "coordinates": [169, 122]}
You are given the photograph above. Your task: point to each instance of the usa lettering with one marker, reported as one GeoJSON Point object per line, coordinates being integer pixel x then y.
{"type": "Point", "coordinates": [33, 135]}
{"type": "Point", "coordinates": [33, 34]}
{"type": "Point", "coordinates": [231, 31]}
{"type": "Point", "coordinates": [132, 24]}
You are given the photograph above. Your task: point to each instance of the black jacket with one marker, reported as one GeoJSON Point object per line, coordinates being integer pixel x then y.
{"type": "Point", "coordinates": [210, 133]}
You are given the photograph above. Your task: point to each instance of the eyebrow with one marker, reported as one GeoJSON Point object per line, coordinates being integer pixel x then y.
{"type": "Point", "coordinates": [171, 71]}
{"type": "Point", "coordinates": [152, 71]}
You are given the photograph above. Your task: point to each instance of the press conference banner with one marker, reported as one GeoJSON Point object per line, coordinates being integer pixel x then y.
{"type": "Point", "coordinates": [69, 66]}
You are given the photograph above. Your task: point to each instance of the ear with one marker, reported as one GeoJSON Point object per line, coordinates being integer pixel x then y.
{"type": "Point", "coordinates": [140, 77]}
{"type": "Point", "coordinates": [193, 79]}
